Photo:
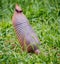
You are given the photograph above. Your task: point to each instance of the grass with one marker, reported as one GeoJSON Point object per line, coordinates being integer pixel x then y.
{"type": "Point", "coordinates": [44, 16]}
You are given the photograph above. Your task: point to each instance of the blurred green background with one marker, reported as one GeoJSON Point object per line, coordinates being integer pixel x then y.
{"type": "Point", "coordinates": [44, 17]}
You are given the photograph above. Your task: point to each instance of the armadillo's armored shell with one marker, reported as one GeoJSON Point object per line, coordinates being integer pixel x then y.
{"type": "Point", "coordinates": [25, 33]}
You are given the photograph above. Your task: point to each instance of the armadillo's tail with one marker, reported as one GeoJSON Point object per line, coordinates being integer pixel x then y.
{"type": "Point", "coordinates": [37, 52]}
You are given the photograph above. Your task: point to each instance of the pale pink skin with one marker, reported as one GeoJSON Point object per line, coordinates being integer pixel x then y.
{"type": "Point", "coordinates": [25, 34]}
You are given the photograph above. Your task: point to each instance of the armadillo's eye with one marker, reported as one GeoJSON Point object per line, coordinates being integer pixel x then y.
{"type": "Point", "coordinates": [18, 11]}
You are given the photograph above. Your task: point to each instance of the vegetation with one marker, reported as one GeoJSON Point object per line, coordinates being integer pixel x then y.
{"type": "Point", "coordinates": [44, 16]}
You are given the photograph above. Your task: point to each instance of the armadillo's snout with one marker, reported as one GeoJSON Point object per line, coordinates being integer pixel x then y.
{"type": "Point", "coordinates": [18, 9]}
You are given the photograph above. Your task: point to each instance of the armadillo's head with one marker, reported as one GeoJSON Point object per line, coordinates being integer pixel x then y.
{"type": "Point", "coordinates": [18, 9]}
{"type": "Point", "coordinates": [18, 16]}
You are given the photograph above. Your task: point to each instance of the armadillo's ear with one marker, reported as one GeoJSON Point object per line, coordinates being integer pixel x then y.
{"type": "Point", "coordinates": [17, 8]}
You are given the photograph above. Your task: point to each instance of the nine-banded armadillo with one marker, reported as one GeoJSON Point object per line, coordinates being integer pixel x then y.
{"type": "Point", "coordinates": [25, 34]}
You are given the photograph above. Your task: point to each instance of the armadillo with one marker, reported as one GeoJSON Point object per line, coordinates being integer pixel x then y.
{"type": "Point", "coordinates": [24, 32]}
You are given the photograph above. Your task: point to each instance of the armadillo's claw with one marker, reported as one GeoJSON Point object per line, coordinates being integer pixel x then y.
{"type": "Point", "coordinates": [37, 52]}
